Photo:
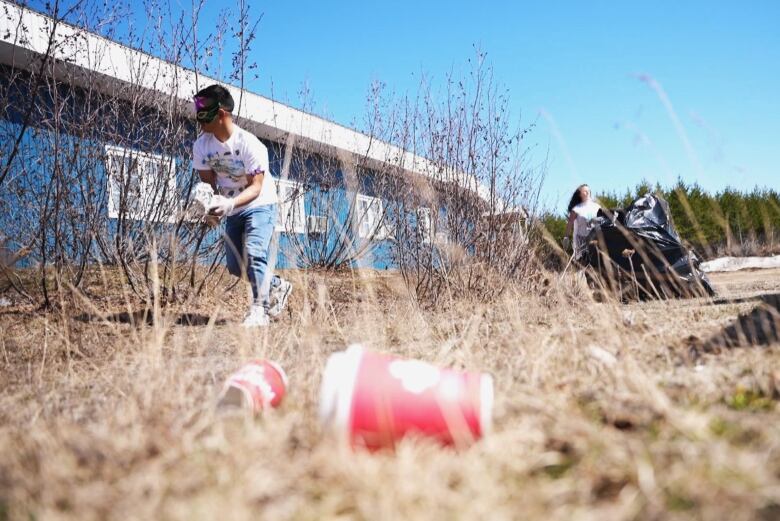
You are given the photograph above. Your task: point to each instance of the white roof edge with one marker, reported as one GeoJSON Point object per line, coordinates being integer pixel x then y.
{"type": "Point", "coordinates": [80, 49]}
{"type": "Point", "coordinates": [94, 53]}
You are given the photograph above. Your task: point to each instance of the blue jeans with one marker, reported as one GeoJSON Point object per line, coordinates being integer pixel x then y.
{"type": "Point", "coordinates": [247, 238]}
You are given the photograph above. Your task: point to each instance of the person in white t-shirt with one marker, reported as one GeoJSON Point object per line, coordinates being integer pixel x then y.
{"type": "Point", "coordinates": [583, 210]}
{"type": "Point", "coordinates": [235, 163]}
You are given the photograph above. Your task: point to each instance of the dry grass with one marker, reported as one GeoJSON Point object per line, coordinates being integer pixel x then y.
{"type": "Point", "coordinates": [603, 411]}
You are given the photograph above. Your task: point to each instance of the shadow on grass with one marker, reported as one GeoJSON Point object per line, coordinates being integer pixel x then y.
{"type": "Point", "coordinates": [769, 298]}
{"type": "Point", "coordinates": [147, 317]}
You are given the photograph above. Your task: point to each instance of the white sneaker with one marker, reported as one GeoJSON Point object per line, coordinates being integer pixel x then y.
{"type": "Point", "coordinates": [278, 297]}
{"type": "Point", "coordinates": [256, 317]}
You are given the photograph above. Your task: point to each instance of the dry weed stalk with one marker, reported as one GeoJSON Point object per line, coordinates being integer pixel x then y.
{"type": "Point", "coordinates": [90, 175]}
{"type": "Point", "coordinates": [599, 413]}
{"type": "Point", "coordinates": [463, 229]}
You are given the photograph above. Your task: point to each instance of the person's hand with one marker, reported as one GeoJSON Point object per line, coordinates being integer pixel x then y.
{"type": "Point", "coordinates": [221, 206]}
{"type": "Point", "coordinates": [211, 220]}
{"type": "Point", "coordinates": [566, 243]}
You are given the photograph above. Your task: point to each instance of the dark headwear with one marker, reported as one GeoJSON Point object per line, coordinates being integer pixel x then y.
{"type": "Point", "coordinates": [208, 101]}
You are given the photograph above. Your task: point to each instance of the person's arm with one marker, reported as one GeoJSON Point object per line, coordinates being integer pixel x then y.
{"type": "Point", "coordinates": [252, 191]}
{"type": "Point", "coordinates": [256, 162]}
{"type": "Point", "coordinates": [570, 223]}
{"type": "Point", "coordinates": [225, 205]}
{"type": "Point", "coordinates": [206, 174]}
{"type": "Point", "coordinates": [257, 167]}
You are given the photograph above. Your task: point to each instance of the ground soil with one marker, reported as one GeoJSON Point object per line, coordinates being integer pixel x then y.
{"type": "Point", "coordinates": [651, 410]}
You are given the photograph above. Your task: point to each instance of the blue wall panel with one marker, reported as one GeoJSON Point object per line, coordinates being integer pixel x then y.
{"type": "Point", "coordinates": [20, 206]}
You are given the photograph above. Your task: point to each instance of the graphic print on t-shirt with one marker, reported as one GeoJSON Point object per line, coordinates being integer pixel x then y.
{"type": "Point", "coordinates": [229, 166]}
{"type": "Point", "coordinates": [234, 162]}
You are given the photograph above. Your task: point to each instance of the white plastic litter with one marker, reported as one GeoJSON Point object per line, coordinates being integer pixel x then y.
{"type": "Point", "coordinates": [202, 195]}
{"type": "Point", "coordinates": [740, 263]}
{"type": "Point", "coordinates": [602, 355]}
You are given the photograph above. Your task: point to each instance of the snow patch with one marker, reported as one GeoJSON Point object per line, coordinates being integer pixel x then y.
{"type": "Point", "coordinates": [740, 263]}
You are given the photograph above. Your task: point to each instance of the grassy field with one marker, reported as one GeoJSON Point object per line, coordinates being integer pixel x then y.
{"type": "Point", "coordinates": [603, 410]}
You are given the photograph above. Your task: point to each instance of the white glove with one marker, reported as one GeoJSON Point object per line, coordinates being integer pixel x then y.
{"type": "Point", "coordinates": [566, 243]}
{"type": "Point", "coordinates": [221, 206]}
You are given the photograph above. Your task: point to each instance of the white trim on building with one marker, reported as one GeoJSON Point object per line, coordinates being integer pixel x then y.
{"type": "Point", "coordinates": [292, 210]}
{"type": "Point", "coordinates": [369, 217]}
{"type": "Point", "coordinates": [148, 182]}
{"type": "Point", "coordinates": [84, 55]}
{"type": "Point", "coordinates": [425, 224]}
{"type": "Point", "coordinates": [78, 50]}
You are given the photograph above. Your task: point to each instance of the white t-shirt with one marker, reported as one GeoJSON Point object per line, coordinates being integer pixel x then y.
{"type": "Point", "coordinates": [241, 156]}
{"type": "Point", "coordinates": [586, 212]}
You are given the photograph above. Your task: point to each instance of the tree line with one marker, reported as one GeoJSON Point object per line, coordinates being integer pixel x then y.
{"type": "Point", "coordinates": [727, 222]}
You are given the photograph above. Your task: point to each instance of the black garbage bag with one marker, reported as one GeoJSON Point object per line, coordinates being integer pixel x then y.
{"type": "Point", "coordinates": [637, 250]}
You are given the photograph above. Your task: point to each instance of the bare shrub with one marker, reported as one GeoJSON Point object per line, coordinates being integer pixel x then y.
{"type": "Point", "coordinates": [98, 171]}
{"type": "Point", "coordinates": [464, 225]}
{"type": "Point", "coordinates": [344, 224]}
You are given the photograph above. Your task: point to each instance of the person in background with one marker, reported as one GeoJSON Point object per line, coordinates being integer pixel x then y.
{"type": "Point", "coordinates": [235, 163]}
{"type": "Point", "coordinates": [582, 210]}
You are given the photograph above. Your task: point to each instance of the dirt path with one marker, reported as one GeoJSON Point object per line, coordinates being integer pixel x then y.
{"type": "Point", "coordinates": [696, 321]}
{"type": "Point", "coordinates": [746, 282]}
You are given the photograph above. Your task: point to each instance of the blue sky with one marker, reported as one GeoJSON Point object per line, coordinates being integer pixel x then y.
{"type": "Point", "coordinates": [620, 91]}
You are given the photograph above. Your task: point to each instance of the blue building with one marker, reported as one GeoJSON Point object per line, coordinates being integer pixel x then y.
{"type": "Point", "coordinates": [95, 150]}
{"type": "Point", "coordinates": [95, 167]}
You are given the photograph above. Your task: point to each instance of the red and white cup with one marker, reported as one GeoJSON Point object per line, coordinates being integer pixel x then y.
{"type": "Point", "coordinates": [257, 386]}
{"type": "Point", "coordinates": [373, 400]}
